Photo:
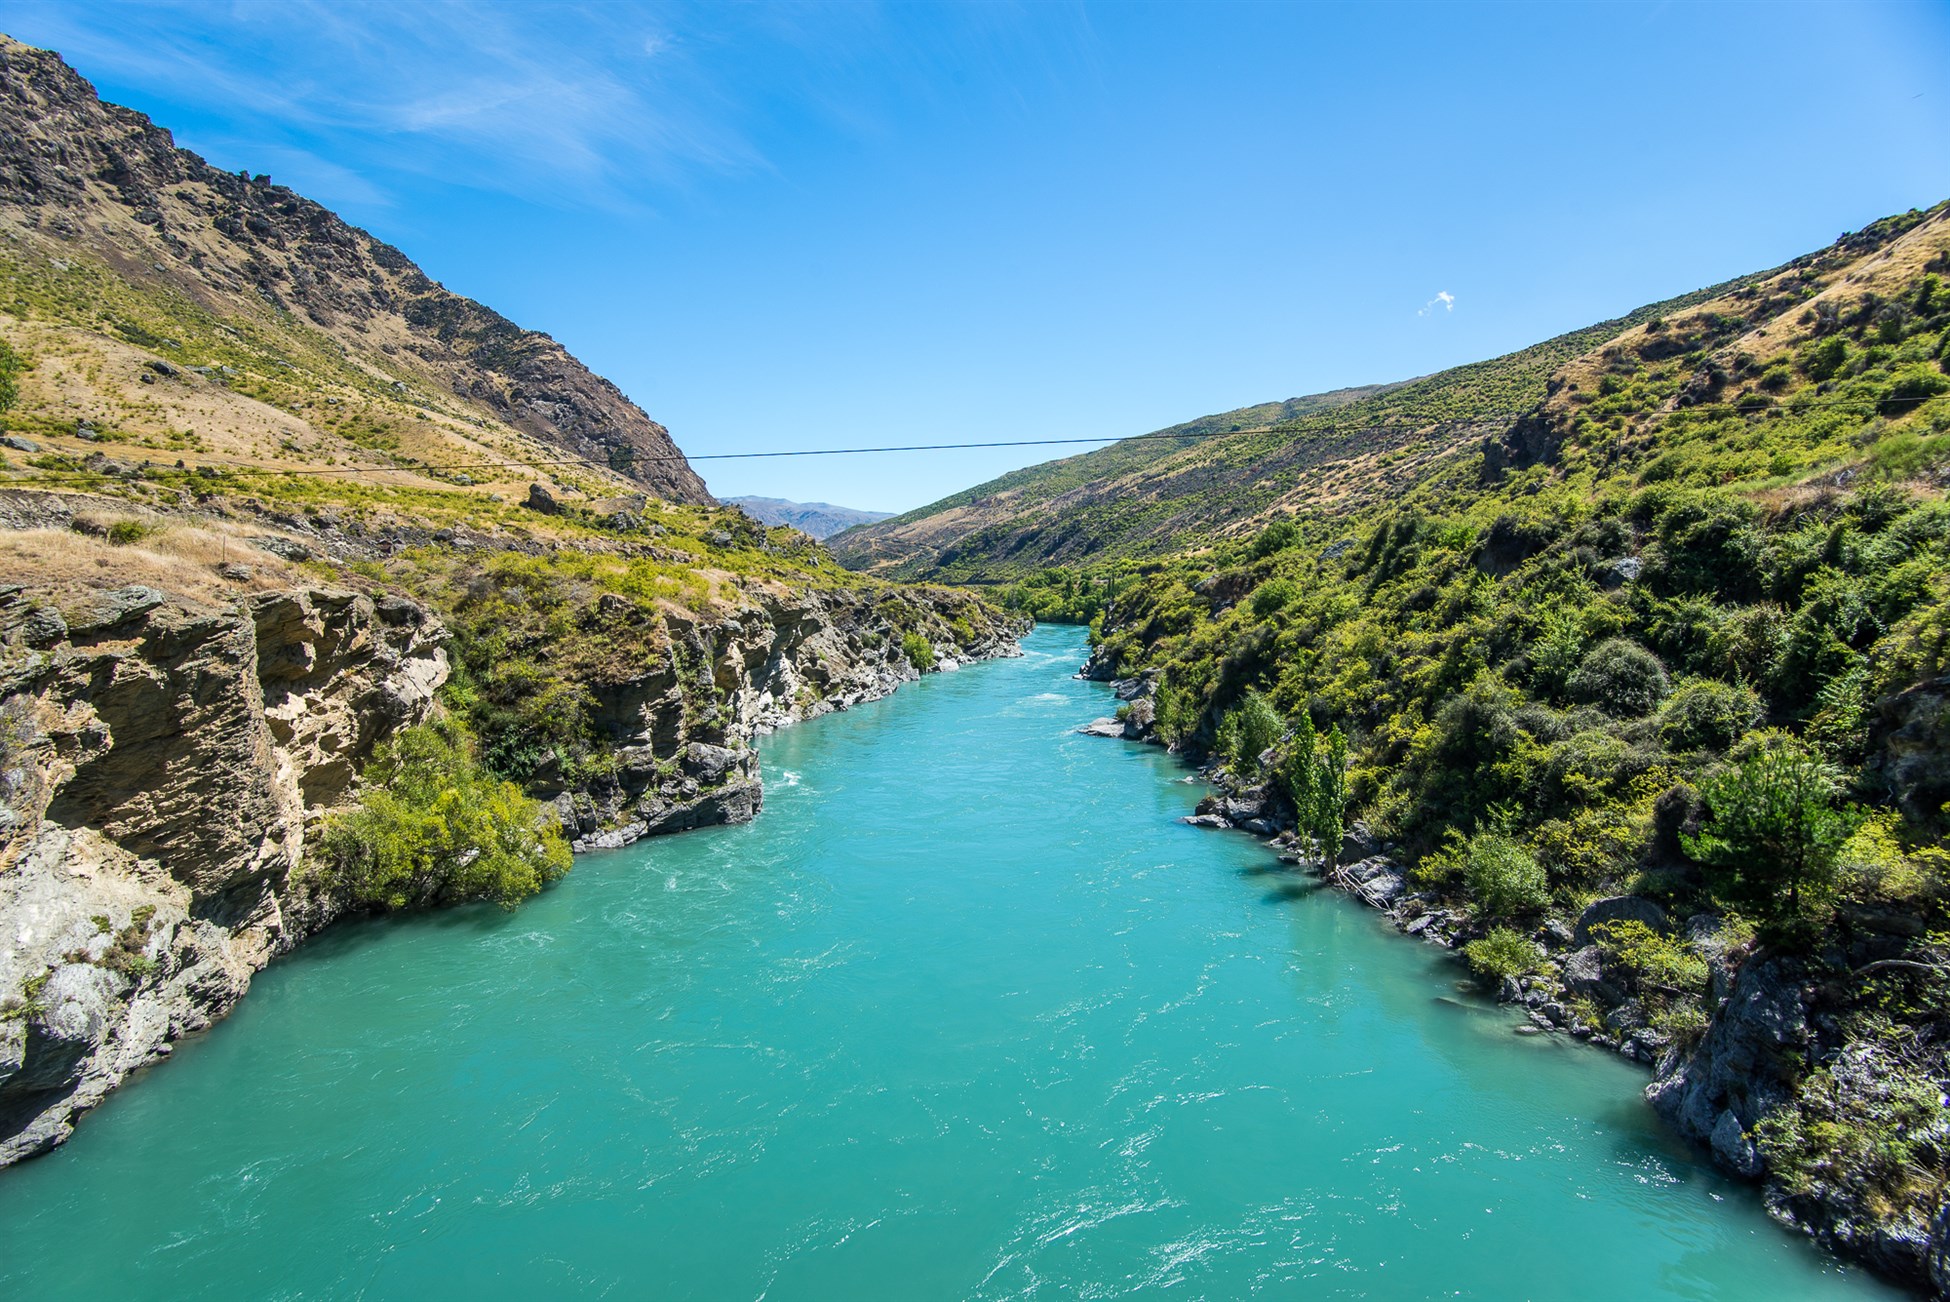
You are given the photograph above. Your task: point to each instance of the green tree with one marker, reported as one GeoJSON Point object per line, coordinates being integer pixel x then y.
{"type": "Point", "coordinates": [1772, 834]}
{"type": "Point", "coordinates": [1313, 773]}
{"type": "Point", "coordinates": [435, 827]}
{"type": "Point", "coordinates": [1248, 731]}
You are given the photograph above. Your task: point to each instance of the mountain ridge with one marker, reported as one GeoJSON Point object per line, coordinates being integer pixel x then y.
{"type": "Point", "coordinates": [339, 307]}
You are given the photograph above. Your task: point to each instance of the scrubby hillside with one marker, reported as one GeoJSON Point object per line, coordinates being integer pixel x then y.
{"type": "Point", "coordinates": [1154, 496]}
{"type": "Point", "coordinates": [1643, 702]}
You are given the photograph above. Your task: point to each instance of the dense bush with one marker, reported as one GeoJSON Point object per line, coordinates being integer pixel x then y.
{"type": "Point", "coordinates": [434, 827]}
{"type": "Point", "coordinates": [1503, 953]}
{"type": "Point", "coordinates": [1708, 715]}
{"type": "Point", "coordinates": [1247, 732]}
{"type": "Point", "coordinates": [1503, 878]}
{"type": "Point", "coordinates": [918, 650]}
{"type": "Point", "coordinates": [1621, 678]}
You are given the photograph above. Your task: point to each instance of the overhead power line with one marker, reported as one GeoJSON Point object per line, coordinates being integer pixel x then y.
{"type": "Point", "coordinates": [1311, 421]}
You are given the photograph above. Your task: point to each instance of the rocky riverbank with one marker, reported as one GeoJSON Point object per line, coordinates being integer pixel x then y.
{"type": "Point", "coordinates": [165, 755]}
{"type": "Point", "coordinates": [1800, 1073]}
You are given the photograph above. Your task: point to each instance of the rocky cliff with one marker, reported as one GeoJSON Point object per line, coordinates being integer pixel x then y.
{"type": "Point", "coordinates": [160, 765]}
{"type": "Point", "coordinates": [163, 760]}
{"type": "Point", "coordinates": [82, 179]}
{"type": "Point", "coordinates": [681, 734]}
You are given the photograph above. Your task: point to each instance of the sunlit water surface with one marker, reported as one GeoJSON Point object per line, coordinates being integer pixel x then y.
{"type": "Point", "coordinates": [966, 1013]}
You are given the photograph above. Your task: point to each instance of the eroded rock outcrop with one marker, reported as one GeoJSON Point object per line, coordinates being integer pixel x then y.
{"type": "Point", "coordinates": [681, 734]}
{"type": "Point", "coordinates": [160, 766]}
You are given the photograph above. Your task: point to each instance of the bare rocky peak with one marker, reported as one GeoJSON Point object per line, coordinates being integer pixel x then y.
{"type": "Point", "coordinates": [75, 170]}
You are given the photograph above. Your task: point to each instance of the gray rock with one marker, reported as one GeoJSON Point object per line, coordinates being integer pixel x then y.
{"type": "Point", "coordinates": [1583, 973]}
{"type": "Point", "coordinates": [234, 572]}
{"type": "Point", "coordinates": [18, 444]}
{"type": "Point", "coordinates": [43, 627]}
{"type": "Point", "coordinates": [1618, 572]}
{"type": "Point", "coordinates": [1204, 820]}
{"type": "Point", "coordinates": [1103, 728]}
{"type": "Point", "coordinates": [709, 764]}
{"type": "Point", "coordinates": [288, 548]}
{"type": "Point", "coordinates": [1378, 879]}
{"type": "Point", "coordinates": [541, 501]}
{"type": "Point", "coordinates": [1735, 1151]}
{"type": "Point", "coordinates": [1618, 908]}
{"type": "Point", "coordinates": [106, 610]}
{"type": "Point", "coordinates": [1358, 843]}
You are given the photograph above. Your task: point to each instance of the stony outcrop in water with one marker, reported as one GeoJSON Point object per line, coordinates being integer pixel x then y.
{"type": "Point", "coordinates": [160, 765]}
{"type": "Point", "coordinates": [681, 734]}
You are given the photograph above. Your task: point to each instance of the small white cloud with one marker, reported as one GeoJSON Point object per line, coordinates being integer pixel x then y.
{"type": "Point", "coordinates": [1442, 296]}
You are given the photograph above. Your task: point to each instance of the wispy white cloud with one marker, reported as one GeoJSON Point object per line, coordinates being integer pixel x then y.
{"type": "Point", "coordinates": [573, 106]}
{"type": "Point", "coordinates": [1443, 299]}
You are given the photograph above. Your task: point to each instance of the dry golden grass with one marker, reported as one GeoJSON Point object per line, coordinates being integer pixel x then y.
{"type": "Point", "coordinates": [63, 565]}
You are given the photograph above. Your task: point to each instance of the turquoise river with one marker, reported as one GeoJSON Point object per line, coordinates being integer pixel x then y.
{"type": "Point", "coordinates": [967, 1013]}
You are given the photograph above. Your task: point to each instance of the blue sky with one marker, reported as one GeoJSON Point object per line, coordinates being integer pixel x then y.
{"type": "Point", "coordinates": [823, 225]}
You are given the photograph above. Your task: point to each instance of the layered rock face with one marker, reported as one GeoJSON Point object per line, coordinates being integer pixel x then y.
{"type": "Point", "coordinates": [159, 767]}
{"type": "Point", "coordinates": [77, 172]}
{"type": "Point", "coordinates": [681, 735]}
{"type": "Point", "coordinates": [162, 763]}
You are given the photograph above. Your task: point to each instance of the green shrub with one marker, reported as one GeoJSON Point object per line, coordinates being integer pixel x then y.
{"type": "Point", "coordinates": [435, 827]}
{"type": "Point", "coordinates": [1708, 715]}
{"type": "Point", "coordinates": [1910, 389]}
{"type": "Point", "coordinates": [1880, 1139]}
{"type": "Point", "coordinates": [1772, 834]}
{"type": "Point", "coordinates": [1249, 729]}
{"type": "Point", "coordinates": [1503, 953]}
{"type": "Point", "coordinates": [1621, 678]}
{"type": "Point", "coordinates": [1277, 536]}
{"type": "Point", "coordinates": [124, 532]}
{"type": "Point", "coordinates": [918, 650]}
{"type": "Point", "coordinates": [1663, 961]}
{"type": "Point", "coordinates": [1272, 595]}
{"type": "Point", "coordinates": [11, 366]}
{"type": "Point", "coordinates": [1503, 878]}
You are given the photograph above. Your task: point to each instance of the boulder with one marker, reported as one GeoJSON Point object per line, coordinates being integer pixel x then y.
{"type": "Point", "coordinates": [288, 548]}
{"type": "Point", "coordinates": [1618, 908]}
{"type": "Point", "coordinates": [43, 627]}
{"type": "Point", "coordinates": [541, 501]}
{"type": "Point", "coordinates": [18, 444]}
{"type": "Point", "coordinates": [1378, 879]}
{"type": "Point", "coordinates": [107, 610]}
{"type": "Point", "coordinates": [1583, 972]}
{"type": "Point", "coordinates": [1204, 820]}
{"type": "Point", "coordinates": [1734, 1150]}
{"type": "Point", "coordinates": [1103, 728]}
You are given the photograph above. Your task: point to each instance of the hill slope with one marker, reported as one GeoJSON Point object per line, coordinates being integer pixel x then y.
{"type": "Point", "coordinates": [1642, 703]}
{"type": "Point", "coordinates": [1332, 452]}
{"type": "Point", "coordinates": [119, 250]}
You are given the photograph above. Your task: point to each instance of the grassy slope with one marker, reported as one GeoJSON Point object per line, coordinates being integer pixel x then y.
{"type": "Point", "coordinates": [1326, 454]}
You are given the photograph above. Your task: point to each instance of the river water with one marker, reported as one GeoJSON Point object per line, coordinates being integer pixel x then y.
{"type": "Point", "coordinates": [966, 1013]}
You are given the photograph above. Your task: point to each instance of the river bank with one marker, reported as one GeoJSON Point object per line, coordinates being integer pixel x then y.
{"type": "Point", "coordinates": [921, 1031]}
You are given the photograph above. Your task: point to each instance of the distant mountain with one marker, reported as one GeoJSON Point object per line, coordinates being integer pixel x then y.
{"type": "Point", "coordinates": [820, 519]}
